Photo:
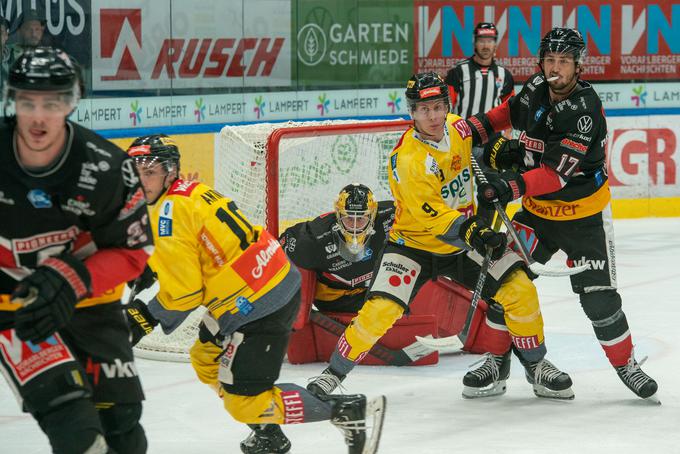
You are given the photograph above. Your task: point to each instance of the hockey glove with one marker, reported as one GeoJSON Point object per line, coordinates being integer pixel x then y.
{"type": "Point", "coordinates": [477, 234]}
{"type": "Point", "coordinates": [140, 321]}
{"type": "Point", "coordinates": [505, 186]}
{"type": "Point", "coordinates": [49, 297]}
{"type": "Point", "coordinates": [503, 154]}
{"type": "Point", "coordinates": [143, 281]}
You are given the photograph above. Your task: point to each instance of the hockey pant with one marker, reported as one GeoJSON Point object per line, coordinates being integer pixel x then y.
{"type": "Point", "coordinates": [243, 369]}
{"type": "Point", "coordinates": [402, 271]}
{"type": "Point", "coordinates": [80, 384]}
{"type": "Point", "coordinates": [589, 240]}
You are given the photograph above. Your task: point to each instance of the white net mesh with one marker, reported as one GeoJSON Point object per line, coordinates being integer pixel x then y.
{"type": "Point", "coordinates": [311, 172]}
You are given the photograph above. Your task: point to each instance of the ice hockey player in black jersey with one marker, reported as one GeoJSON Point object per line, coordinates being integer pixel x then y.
{"type": "Point", "coordinates": [74, 230]}
{"type": "Point", "coordinates": [341, 247]}
{"type": "Point", "coordinates": [562, 180]}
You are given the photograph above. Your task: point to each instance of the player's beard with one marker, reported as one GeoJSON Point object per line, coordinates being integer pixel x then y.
{"type": "Point", "coordinates": [562, 86]}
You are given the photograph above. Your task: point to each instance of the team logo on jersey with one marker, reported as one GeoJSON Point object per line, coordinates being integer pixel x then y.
{"type": "Point", "coordinates": [165, 219]}
{"type": "Point", "coordinates": [330, 248]}
{"type": "Point", "coordinates": [585, 124]}
{"type": "Point", "coordinates": [39, 198]}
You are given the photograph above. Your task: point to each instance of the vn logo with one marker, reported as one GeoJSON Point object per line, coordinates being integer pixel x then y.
{"type": "Point", "coordinates": [592, 264]}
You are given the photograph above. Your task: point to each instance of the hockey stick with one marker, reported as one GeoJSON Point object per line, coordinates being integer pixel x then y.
{"type": "Point", "coordinates": [461, 338]}
{"type": "Point", "coordinates": [402, 357]}
{"type": "Point", "coordinates": [534, 266]}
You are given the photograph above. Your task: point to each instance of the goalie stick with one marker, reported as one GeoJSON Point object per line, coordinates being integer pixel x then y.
{"type": "Point", "coordinates": [402, 357]}
{"type": "Point", "coordinates": [535, 267]}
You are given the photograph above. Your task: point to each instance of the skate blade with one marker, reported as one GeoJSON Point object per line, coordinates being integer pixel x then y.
{"type": "Point", "coordinates": [375, 416]}
{"type": "Point", "coordinates": [653, 399]}
{"type": "Point", "coordinates": [564, 394]}
{"type": "Point", "coordinates": [495, 389]}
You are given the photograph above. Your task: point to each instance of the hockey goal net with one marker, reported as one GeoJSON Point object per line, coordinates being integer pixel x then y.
{"type": "Point", "coordinates": [282, 173]}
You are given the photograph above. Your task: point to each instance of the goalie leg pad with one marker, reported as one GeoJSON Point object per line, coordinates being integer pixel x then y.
{"type": "Point", "coordinates": [488, 332]}
{"type": "Point", "coordinates": [122, 429]}
{"type": "Point", "coordinates": [523, 317]}
{"type": "Point", "coordinates": [72, 428]}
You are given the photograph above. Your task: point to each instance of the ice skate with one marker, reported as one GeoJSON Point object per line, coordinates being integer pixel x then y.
{"type": "Point", "coordinates": [489, 378]}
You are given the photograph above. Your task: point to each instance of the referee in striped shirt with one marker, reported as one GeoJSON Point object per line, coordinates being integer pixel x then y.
{"type": "Point", "coordinates": [478, 84]}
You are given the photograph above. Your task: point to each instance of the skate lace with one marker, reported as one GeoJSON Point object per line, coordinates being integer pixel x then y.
{"type": "Point", "coordinates": [490, 367]}
{"type": "Point", "coordinates": [632, 373]}
{"type": "Point", "coordinates": [349, 428]}
{"type": "Point", "coordinates": [545, 372]}
{"type": "Point", "coordinates": [327, 382]}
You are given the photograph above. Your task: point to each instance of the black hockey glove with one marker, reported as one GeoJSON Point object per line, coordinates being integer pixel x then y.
{"type": "Point", "coordinates": [143, 281]}
{"type": "Point", "coordinates": [481, 129]}
{"type": "Point", "coordinates": [140, 321]}
{"type": "Point", "coordinates": [477, 234]}
{"type": "Point", "coordinates": [505, 186]}
{"type": "Point", "coordinates": [49, 297]}
{"type": "Point", "coordinates": [503, 154]}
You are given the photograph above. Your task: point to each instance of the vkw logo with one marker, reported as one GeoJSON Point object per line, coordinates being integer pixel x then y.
{"type": "Point", "coordinates": [311, 42]}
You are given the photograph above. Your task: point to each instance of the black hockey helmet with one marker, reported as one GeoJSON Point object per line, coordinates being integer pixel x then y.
{"type": "Point", "coordinates": [155, 148]}
{"type": "Point", "coordinates": [563, 41]}
{"type": "Point", "coordinates": [356, 210]}
{"type": "Point", "coordinates": [485, 30]}
{"type": "Point", "coordinates": [425, 87]}
{"type": "Point", "coordinates": [44, 69]}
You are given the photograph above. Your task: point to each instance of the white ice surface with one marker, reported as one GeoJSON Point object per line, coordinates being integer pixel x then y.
{"type": "Point", "coordinates": [425, 412]}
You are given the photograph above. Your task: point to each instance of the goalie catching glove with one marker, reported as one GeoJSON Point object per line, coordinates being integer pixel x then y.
{"type": "Point", "coordinates": [140, 321]}
{"type": "Point", "coordinates": [49, 296]}
{"type": "Point", "coordinates": [478, 235]}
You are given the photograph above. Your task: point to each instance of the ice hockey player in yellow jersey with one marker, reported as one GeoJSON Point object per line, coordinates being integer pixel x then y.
{"type": "Point", "coordinates": [436, 231]}
{"type": "Point", "coordinates": [208, 254]}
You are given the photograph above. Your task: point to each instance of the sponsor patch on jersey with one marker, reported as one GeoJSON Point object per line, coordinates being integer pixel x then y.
{"type": "Point", "coordinates": [397, 276]}
{"type": "Point", "coordinates": [258, 264]}
{"type": "Point", "coordinates": [182, 187]}
{"type": "Point", "coordinates": [27, 360]}
{"type": "Point", "coordinates": [531, 144]}
{"type": "Point", "coordinates": [213, 247]}
{"type": "Point", "coordinates": [431, 166]}
{"type": "Point", "coordinates": [456, 163]}
{"type": "Point", "coordinates": [165, 219]}
{"type": "Point", "coordinates": [243, 305]}
{"type": "Point", "coordinates": [539, 113]}
{"type": "Point", "coordinates": [39, 198]}
{"type": "Point", "coordinates": [585, 124]}
{"type": "Point", "coordinates": [463, 129]}
{"type": "Point", "coordinates": [526, 235]}
{"type": "Point", "coordinates": [572, 145]}
{"type": "Point", "coordinates": [393, 165]}
{"type": "Point", "coordinates": [6, 200]}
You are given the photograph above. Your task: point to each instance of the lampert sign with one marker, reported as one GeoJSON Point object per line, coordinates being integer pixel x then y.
{"type": "Point", "coordinates": [212, 43]}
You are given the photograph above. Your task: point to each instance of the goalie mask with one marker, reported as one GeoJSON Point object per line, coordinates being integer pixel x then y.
{"type": "Point", "coordinates": [355, 210]}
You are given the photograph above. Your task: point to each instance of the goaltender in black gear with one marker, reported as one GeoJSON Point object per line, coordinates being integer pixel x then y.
{"type": "Point", "coordinates": [208, 254]}
{"type": "Point", "coordinates": [341, 247]}
{"type": "Point", "coordinates": [74, 230]}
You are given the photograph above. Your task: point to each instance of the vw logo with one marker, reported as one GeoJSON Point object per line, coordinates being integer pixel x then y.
{"type": "Point", "coordinates": [585, 124]}
{"type": "Point", "coordinates": [311, 44]}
